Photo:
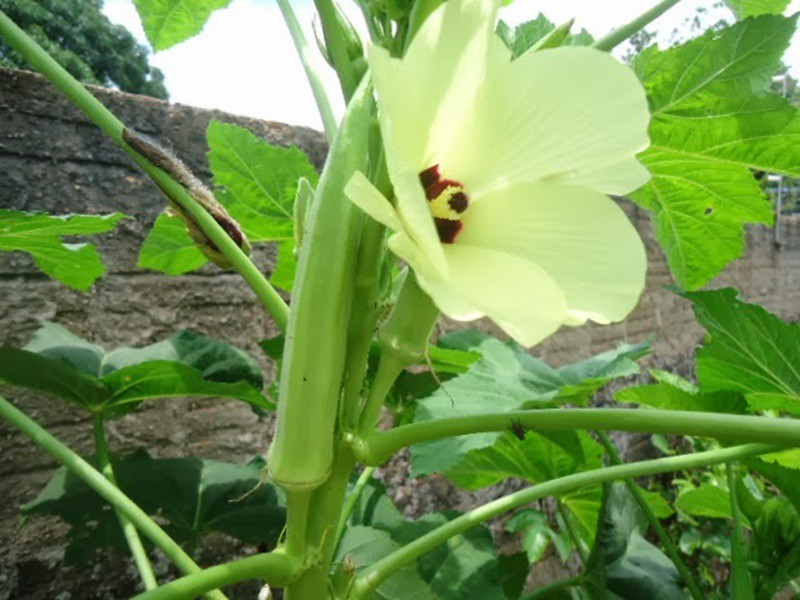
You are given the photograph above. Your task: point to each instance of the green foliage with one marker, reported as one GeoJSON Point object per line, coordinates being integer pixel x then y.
{"type": "Point", "coordinates": [713, 122]}
{"type": "Point", "coordinates": [467, 566]}
{"type": "Point", "coordinates": [623, 564]}
{"type": "Point", "coordinates": [526, 36]}
{"type": "Point", "coordinates": [256, 183]}
{"type": "Point", "coordinates": [193, 497]}
{"type": "Point", "coordinates": [666, 396]}
{"type": "Point", "coordinates": [62, 364]}
{"type": "Point", "coordinates": [170, 22]}
{"type": "Point", "coordinates": [752, 8]}
{"type": "Point", "coordinates": [85, 42]}
{"type": "Point", "coordinates": [77, 265]}
{"type": "Point", "coordinates": [507, 379]}
{"type": "Point", "coordinates": [364, 545]}
{"type": "Point", "coordinates": [748, 350]}
{"type": "Point", "coordinates": [706, 500]}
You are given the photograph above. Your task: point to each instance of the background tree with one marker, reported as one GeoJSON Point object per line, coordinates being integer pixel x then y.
{"type": "Point", "coordinates": [80, 37]}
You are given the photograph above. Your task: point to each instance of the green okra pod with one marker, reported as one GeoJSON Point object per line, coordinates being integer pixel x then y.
{"type": "Point", "coordinates": [301, 454]}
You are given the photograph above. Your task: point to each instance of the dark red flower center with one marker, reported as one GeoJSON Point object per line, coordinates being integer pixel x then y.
{"type": "Point", "coordinates": [447, 202]}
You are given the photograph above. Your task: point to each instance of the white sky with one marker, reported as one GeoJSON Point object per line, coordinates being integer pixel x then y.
{"type": "Point", "coordinates": [244, 61]}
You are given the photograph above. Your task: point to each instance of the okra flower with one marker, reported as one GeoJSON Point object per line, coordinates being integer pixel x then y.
{"type": "Point", "coordinates": [500, 169]}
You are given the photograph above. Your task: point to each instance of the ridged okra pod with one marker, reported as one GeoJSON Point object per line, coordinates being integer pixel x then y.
{"type": "Point", "coordinates": [301, 454]}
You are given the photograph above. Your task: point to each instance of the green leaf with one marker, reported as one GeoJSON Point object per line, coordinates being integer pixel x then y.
{"type": "Point", "coordinates": [166, 379]}
{"type": "Point", "coordinates": [258, 180]}
{"type": "Point", "coordinates": [169, 249]}
{"type": "Point", "coordinates": [193, 497]}
{"type": "Point", "coordinates": [92, 522]}
{"type": "Point", "coordinates": [506, 379]}
{"type": "Point", "coordinates": [713, 122]}
{"type": "Point", "coordinates": [622, 562]}
{"type": "Point", "coordinates": [752, 8]}
{"type": "Point", "coordinates": [33, 371]}
{"type": "Point", "coordinates": [364, 546]}
{"type": "Point", "coordinates": [58, 343]}
{"type": "Point", "coordinates": [707, 500]}
{"type": "Point", "coordinates": [535, 459]}
{"type": "Point", "coordinates": [466, 566]}
{"type": "Point", "coordinates": [216, 360]}
{"type": "Point", "coordinates": [537, 535]}
{"type": "Point", "coordinates": [199, 496]}
{"type": "Point", "coordinates": [667, 397]}
{"type": "Point", "coordinates": [526, 36]}
{"type": "Point", "coordinates": [748, 350]}
{"type": "Point", "coordinates": [169, 22]}
{"type": "Point", "coordinates": [40, 235]}
{"type": "Point", "coordinates": [186, 364]}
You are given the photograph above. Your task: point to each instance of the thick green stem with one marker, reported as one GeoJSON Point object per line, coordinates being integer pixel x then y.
{"type": "Point", "coordinates": [371, 577]}
{"type": "Point", "coordinates": [379, 446]}
{"type": "Point", "coordinates": [128, 529]}
{"type": "Point", "coordinates": [666, 541]}
{"type": "Point", "coordinates": [616, 37]}
{"type": "Point", "coordinates": [323, 518]}
{"type": "Point", "coordinates": [741, 584]}
{"type": "Point", "coordinates": [352, 500]}
{"type": "Point", "coordinates": [555, 587]}
{"type": "Point", "coordinates": [112, 127]}
{"type": "Point", "coordinates": [313, 76]}
{"type": "Point", "coordinates": [276, 568]}
{"type": "Point", "coordinates": [95, 480]}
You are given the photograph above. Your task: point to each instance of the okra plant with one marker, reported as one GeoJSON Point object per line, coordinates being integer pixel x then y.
{"type": "Point", "coordinates": [479, 171]}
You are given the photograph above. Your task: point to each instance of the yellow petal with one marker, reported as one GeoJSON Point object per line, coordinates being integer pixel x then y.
{"type": "Point", "coordinates": [579, 236]}
{"type": "Point", "coordinates": [428, 93]}
{"type": "Point", "coordinates": [566, 115]}
{"type": "Point", "coordinates": [515, 293]}
{"type": "Point", "coordinates": [366, 196]}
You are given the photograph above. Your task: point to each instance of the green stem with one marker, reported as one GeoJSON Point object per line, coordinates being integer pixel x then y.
{"type": "Point", "coordinates": [571, 532]}
{"type": "Point", "coordinates": [741, 585]}
{"type": "Point", "coordinates": [314, 80]}
{"type": "Point", "coordinates": [297, 505]}
{"type": "Point", "coordinates": [112, 127]}
{"type": "Point", "coordinates": [128, 529]}
{"type": "Point", "coordinates": [616, 37]}
{"type": "Point", "coordinates": [556, 586]}
{"type": "Point", "coordinates": [337, 46]}
{"type": "Point", "coordinates": [277, 568]}
{"type": "Point", "coordinates": [371, 577]}
{"type": "Point", "coordinates": [95, 480]}
{"type": "Point", "coordinates": [379, 446]}
{"type": "Point", "coordinates": [365, 309]}
{"type": "Point", "coordinates": [389, 367]}
{"type": "Point", "coordinates": [323, 518]}
{"type": "Point", "coordinates": [352, 500]}
{"type": "Point", "coordinates": [666, 541]}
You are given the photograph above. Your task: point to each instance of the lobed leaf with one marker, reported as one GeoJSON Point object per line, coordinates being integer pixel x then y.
{"type": "Point", "coordinates": [713, 123]}
{"type": "Point", "coordinates": [748, 350]}
{"type": "Point", "coordinates": [507, 379]}
{"type": "Point", "coordinates": [752, 8]}
{"type": "Point", "coordinates": [60, 363]}
{"type": "Point", "coordinates": [77, 265]}
{"type": "Point", "coordinates": [170, 22]}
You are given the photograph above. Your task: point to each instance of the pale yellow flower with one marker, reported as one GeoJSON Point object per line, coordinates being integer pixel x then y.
{"type": "Point", "coordinates": [500, 170]}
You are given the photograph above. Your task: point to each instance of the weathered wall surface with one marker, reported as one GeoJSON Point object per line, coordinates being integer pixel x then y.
{"type": "Point", "coordinates": [53, 159]}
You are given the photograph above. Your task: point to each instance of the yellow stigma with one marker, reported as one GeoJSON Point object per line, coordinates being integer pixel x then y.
{"type": "Point", "coordinates": [442, 206]}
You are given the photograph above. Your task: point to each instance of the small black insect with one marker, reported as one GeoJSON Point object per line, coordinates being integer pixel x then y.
{"type": "Point", "coordinates": [518, 429]}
